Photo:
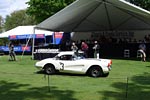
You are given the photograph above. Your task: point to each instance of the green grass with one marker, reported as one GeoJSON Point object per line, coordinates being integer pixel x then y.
{"type": "Point", "coordinates": [19, 81]}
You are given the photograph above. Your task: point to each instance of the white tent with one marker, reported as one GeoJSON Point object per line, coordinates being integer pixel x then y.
{"type": "Point", "coordinates": [98, 15]}
{"type": "Point", "coordinates": [24, 30]}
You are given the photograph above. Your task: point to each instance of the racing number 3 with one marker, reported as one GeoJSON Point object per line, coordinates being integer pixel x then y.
{"type": "Point", "coordinates": [62, 64]}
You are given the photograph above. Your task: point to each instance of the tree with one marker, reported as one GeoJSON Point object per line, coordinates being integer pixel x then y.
{"type": "Point", "coordinates": [42, 9]}
{"type": "Point", "coordinates": [1, 24]}
{"type": "Point", "coordinates": [142, 3]}
{"type": "Point", "coordinates": [3, 41]}
{"type": "Point", "coordinates": [18, 18]}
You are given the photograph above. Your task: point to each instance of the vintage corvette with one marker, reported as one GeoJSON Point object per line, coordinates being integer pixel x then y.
{"type": "Point", "coordinates": [72, 62]}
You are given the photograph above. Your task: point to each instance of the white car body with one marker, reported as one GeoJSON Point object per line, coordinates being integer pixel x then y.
{"type": "Point", "coordinates": [75, 64]}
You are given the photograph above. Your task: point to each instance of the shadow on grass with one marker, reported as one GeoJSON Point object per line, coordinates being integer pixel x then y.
{"type": "Point", "coordinates": [148, 66]}
{"type": "Point", "coordinates": [13, 91]}
{"type": "Point", "coordinates": [63, 74]}
{"type": "Point", "coordinates": [138, 88]}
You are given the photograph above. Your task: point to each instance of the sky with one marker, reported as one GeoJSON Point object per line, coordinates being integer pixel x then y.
{"type": "Point", "coordinates": [9, 6]}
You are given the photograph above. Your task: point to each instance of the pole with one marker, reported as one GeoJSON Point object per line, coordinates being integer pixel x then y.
{"type": "Point", "coordinates": [48, 84]}
{"type": "Point", "coordinates": [33, 40]}
{"type": "Point", "coordinates": [26, 45]}
{"type": "Point", "coordinates": [54, 38]}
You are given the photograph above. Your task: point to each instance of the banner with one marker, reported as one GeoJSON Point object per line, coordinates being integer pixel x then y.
{"type": "Point", "coordinates": [16, 48]}
{"type": "Point", "coordinates": [57, 37]}
{"type": "Point", "coordinates": [37, 36]}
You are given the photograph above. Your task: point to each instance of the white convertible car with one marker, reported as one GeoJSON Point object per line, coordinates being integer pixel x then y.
{"type": "Point", "coordinates": [75, 63]}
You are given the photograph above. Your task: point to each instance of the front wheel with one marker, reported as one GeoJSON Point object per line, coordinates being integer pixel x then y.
{"type": "Point", "coordinates": [95, 71]}
{"type": "Point", "coordinates": [49, 69]}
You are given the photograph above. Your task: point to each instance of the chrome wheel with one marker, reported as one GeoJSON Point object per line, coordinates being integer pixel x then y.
{"type": "Point", "coordinates": [95, 71]}
{"type": "Point", "coordinates": [49, 69]}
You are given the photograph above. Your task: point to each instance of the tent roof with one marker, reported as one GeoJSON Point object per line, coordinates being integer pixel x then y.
{"type": "Point", "coordinates": [23, 30]}
{"type": "Point", "coordinates": [98, 15]}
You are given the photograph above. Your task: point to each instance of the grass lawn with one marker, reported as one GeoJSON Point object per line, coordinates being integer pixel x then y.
{"type": "Point", "coordinates": [19, 81]}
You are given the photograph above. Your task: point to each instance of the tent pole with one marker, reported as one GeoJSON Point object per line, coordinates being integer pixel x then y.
{"type": "Point", "coordinates": [26, 45]}
{"type": "Point", "coordinates": [33, 40]}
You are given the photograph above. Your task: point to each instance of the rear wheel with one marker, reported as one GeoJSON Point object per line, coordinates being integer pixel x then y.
{"type": "Point", "coordinates": [95, 71]}
{"type": "Point", "coordinates": [49, 69]}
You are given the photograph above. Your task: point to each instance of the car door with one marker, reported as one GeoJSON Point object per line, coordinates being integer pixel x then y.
{"type": "Point", "coordinates": [71, 64]}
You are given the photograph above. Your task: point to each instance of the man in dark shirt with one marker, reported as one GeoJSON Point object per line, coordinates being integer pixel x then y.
{"type": "Point", "coordinates": [12, 52]}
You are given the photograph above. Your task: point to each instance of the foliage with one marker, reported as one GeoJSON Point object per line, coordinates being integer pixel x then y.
{"type": "Point", "coordinates": [142, 3]}
{"type": "Point", "coordinates": [1, 24]}
{"type": "Point", "coordinates": [3, 41]}
{"type": "Point", "coordinates": [42, 9]}
{"type": "Point", "coordinates": [18, 18]}
{"type": "Point", "coordinates": [19, 81]}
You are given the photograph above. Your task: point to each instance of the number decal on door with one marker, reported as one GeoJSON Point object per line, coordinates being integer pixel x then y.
{"type": "Point", "coordinates": [62, 64]}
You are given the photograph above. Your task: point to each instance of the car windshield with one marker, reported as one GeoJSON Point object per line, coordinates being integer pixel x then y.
{"type": "Point", "coordinates": [76, 56]}
{"type": "Point", "coordinates": [79, 56]}
{"type": "Point", "coordinates": [57, 57]}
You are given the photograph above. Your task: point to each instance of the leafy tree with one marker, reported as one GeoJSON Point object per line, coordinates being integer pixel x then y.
{"type": "Point", "coordinates": [142, 3]}
{"type": "Point", "coordinates": [42, 9]}
{"type": "Point", "coordinates": [1, 24]}
{"type": "Point", "coordinates": [3, 41]}
{"type": "Point", "coordinates": [18, 18]}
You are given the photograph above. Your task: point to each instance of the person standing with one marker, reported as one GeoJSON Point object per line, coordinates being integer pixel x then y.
{"type": "Point", "coordinates": [142, 49]}
{"type": "Point", "coordinates": [74, 47]}
{"type": "Point", "coordinates": [96, 49]}
{"type": "Point", "coordinates": [68, 45]}
{"type": "Point", "coordinates": [84, 48]}
{"type": "Point", "coordinates": [11, 52]}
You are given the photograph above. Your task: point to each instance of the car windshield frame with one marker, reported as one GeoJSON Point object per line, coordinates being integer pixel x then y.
{"type": "Point", "coordinates": [75, 56]}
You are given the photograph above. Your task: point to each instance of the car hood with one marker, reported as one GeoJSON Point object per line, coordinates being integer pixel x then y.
{"type": "Point", "coordinates": [102, 60]}
{"type": "Point", "coordinates": [97, 59]}
{"type": "Point", "coordinates": [47, 59]}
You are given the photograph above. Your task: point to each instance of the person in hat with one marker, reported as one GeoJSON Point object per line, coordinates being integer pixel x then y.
{"type": "Point", "coordinates": [74, 47]}
{"type": "Point", "coordinates": [96, 48]}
